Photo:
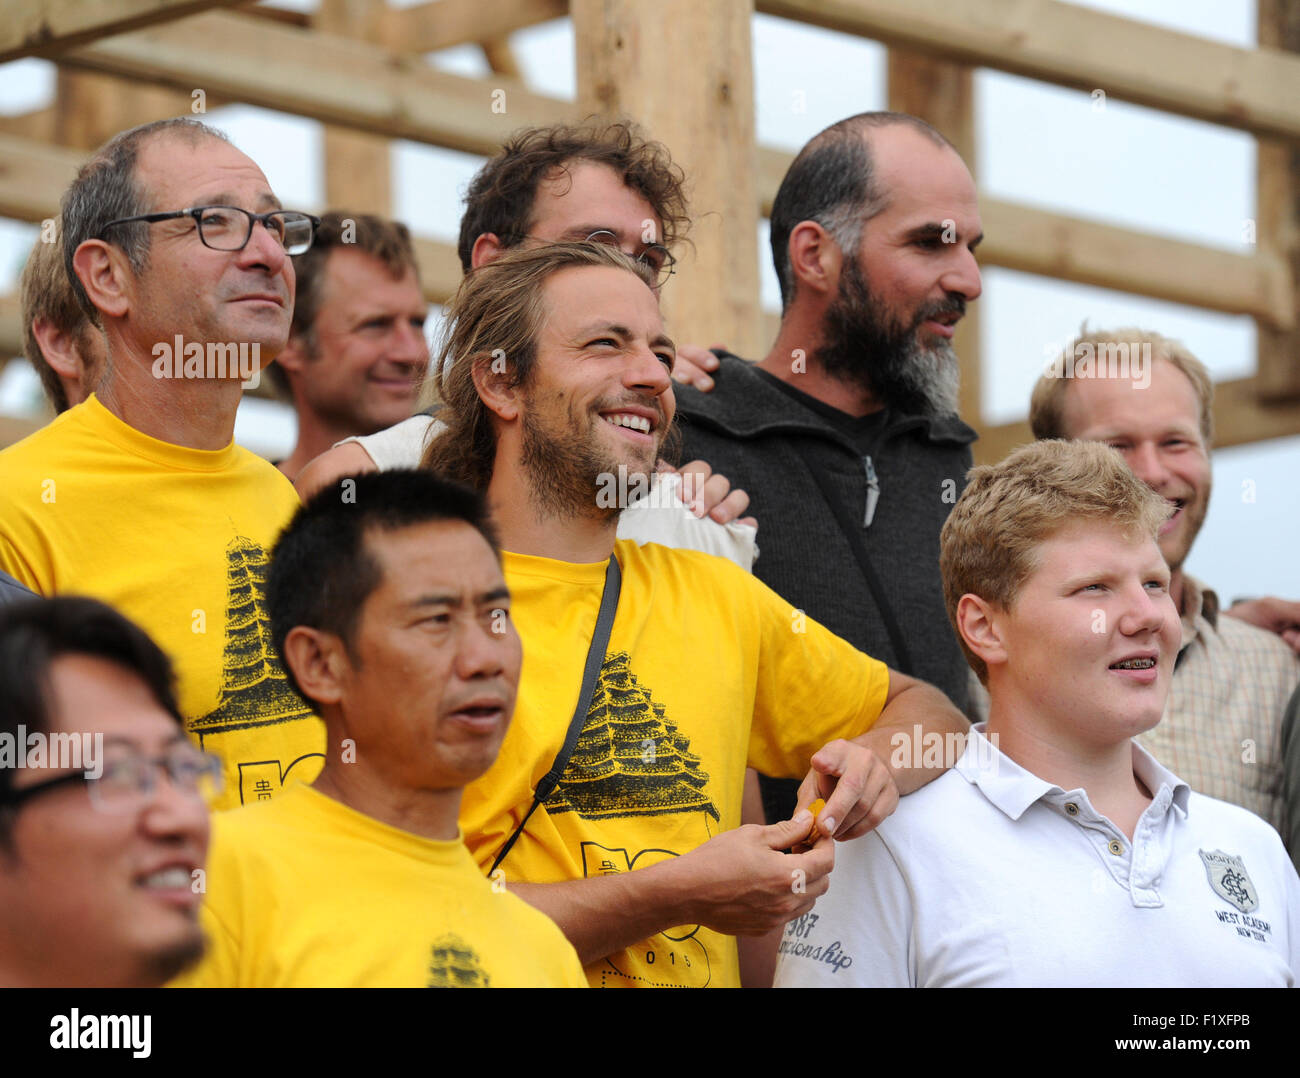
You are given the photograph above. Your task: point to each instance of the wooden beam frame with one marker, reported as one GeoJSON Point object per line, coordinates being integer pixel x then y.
{"type": "Point", "coordinates": [443, 24]}
{"type": "Point", "coordinates": [325, 77]}
{"type": "Point", "coordinates": [47, 27]}
{"type": "Point", "coordinates": [1249, 89]}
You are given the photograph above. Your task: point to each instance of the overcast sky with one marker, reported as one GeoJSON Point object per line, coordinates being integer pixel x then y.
{"type": "Point", "coordinates": [1038, 144]}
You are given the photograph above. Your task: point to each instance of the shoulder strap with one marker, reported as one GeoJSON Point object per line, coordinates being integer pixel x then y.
{"type": "Point", "coordinates": [590, 672]}
{"type": "Point", "coordinates": [851, 533]}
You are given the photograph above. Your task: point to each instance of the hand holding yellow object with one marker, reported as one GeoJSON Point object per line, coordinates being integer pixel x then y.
{"type": "Point", "coordinates": [816, 809]}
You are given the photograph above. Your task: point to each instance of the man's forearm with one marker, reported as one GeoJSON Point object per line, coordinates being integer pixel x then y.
{"type": "Point", "coordinates": [910, 722]}
{"type": "Point", "coordinates": [605, 914]}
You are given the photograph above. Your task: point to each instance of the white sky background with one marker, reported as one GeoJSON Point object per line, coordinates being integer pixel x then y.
{"type": "Point", "coordinates": [1038, 144]}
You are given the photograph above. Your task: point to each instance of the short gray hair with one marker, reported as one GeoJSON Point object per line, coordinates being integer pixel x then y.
{"type": "Point", "coordinates": [106, 188]}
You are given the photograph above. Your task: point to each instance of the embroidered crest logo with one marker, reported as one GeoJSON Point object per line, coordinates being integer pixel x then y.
{"type": "Point", "coordinates": [1230, 880]}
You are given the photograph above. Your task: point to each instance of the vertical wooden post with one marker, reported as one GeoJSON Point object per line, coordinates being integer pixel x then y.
{"type": "Point", "coordinates": [358, 172]}
{"type": "Point", "coordinates": [700, 104]}
{"type": "Point", "coordinates": [1277, 227]}
{"type": "Point", "coordinates": [941, 94]}
{"type": "Point", "coordinates": [91, 108]}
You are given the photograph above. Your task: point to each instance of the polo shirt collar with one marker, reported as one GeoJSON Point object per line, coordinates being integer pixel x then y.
{"type": "Point", "coordinates": [1012, 789]}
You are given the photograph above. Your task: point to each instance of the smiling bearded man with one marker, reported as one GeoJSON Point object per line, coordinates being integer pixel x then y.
{"type": "Point", "coordinates": [673, 670]}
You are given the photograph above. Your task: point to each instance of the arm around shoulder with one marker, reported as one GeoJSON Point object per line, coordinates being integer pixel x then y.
{"type": "Point", "coordinates": [349, 458]}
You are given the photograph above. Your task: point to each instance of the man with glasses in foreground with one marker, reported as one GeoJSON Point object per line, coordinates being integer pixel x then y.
{"type": "Point", "coordinates": [99, 854]}
{"type": "Point", "coordinates": [178, 250]}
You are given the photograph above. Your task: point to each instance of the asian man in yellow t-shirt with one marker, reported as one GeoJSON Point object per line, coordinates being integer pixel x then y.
{"type": "Point", "coordinates": [390, 610]}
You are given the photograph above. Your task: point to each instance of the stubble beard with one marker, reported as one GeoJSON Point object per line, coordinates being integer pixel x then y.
{"type": "Point", "coordinates": [864, 345]}
{"type": "Point", "coordinates": [564, 470]}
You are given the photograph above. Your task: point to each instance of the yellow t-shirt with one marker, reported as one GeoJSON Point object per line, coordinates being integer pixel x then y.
{"type": "Point", "coordinates": [305, 892]}
{"type": "Point", "coordinates": [178, 540]}
{"type": "Point", "coordinates": [707, 671]}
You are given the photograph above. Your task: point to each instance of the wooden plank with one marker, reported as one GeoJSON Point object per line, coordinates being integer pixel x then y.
{"type": "Point", "coordinates": [91, 108]}
{"type": "Point", "coordinates": [1240, 418]}
{"type": "Point", "coordinates": [1087, 252]}
{"type": "Point", "coordinates": [1277, 229]}
{"type": "Point", "coordinates": [1249, 89]}
{"type": "Point", "coordinates": [704, 111]}
{"type": "Point", "coordinates": [326, 77]}
{"type": "Point", "coordinates": [358, 166]}
{"type": "Point", "coordinates": [440, 273]}
{"type": "Point", "coordinates": [443, 24]}
{"type": "Point", "coordinates": [46, 27]}
{"type": "Point", "coordinates": [501, 58]}
{"type": "Point", "coordinates": [32, 177]}
{"type": "Point", "coordinates": [37, 125]}
{"type": "Point", "coordinates": [942, 94]}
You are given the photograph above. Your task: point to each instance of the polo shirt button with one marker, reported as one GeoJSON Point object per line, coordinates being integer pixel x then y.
{"type": "Point", "coordinates": [1071, 809]}
{"type": "Point", "coordinates": [1115, 847]}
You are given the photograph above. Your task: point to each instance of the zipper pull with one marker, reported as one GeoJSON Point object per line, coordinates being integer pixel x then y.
{"type": "Point", "coordinates": [873, 492]}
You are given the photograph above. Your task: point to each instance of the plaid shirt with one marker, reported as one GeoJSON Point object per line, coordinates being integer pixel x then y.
{"type": "Point", "coordinates": [1221, 733]}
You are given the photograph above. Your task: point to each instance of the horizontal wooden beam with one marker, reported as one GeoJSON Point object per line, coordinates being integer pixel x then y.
{"type": "Point", "coordinates": [1087, 252]}
{"type": "Point", "coordinates": [1239, 419]}
{"type": "Point", "coordinates": [326, 77]}
{"type": "Point", "coordinates": [442, 24]}
{"type": "Point", "coordinates": [281, 15]}
{"type": "Point", "coordinates": [39, 124]}
{"type": "Point", "coordinates": [47, 27]}
{"type": "Point", "coordinates": [33, 176]}
{"type": "Point", "coordinates": [1249, 89]}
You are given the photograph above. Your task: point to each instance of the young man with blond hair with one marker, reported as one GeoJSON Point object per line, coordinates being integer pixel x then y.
{"type": "Point", "coordinates": [1057, 850]}
{"type": "Point", "coordinates": [1148, 397]}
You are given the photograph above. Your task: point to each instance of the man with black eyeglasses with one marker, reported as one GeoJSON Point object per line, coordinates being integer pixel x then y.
{"type": "Point", "coordinates": [103, 825]}
{"type": "Point", "coordinates": [178, 250]}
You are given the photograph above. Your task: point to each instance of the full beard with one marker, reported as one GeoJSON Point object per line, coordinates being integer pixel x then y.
{"type": "Point", "coordinates": [865, 346]}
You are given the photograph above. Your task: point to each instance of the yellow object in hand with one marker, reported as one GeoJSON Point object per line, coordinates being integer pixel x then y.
{"type": "Point", "coordinates": [816, 809]}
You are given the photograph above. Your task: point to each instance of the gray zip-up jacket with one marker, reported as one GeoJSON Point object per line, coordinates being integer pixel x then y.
{"type": "Point", "coordinates": [749, 429]}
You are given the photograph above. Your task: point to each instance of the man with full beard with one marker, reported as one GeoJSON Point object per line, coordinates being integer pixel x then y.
{"type": "Point", "coordinates": [654, 676]}
{"type": "Point", "coordinates": [845, 434]}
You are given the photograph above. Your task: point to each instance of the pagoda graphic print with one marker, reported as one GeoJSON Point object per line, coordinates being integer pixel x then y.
{"type": "Point", "coordinates": [630, 759]}
{"type": "Point", "coordinates": [254, 688]}
{"type": "Point", "coordinates": [453, 964]}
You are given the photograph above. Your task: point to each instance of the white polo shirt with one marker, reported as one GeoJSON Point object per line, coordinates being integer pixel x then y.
{"type": "Point", "coordinates": [990, 876]}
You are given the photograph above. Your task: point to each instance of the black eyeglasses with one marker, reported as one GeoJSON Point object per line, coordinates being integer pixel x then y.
{"type": "Point", "coordinates": [127, 780]}
{"type": "Point", "coordinates": [655, 256]}
{"type": "Point", "coordinates": [228, 228]}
